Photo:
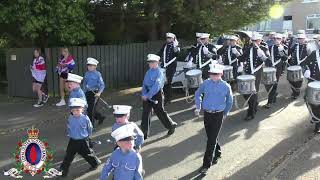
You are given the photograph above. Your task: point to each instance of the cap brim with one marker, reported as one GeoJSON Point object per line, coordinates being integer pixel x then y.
{"type": "Point", "coordinates": [130, 138]}
{"type": "Point", "coordinates": [119, 115]}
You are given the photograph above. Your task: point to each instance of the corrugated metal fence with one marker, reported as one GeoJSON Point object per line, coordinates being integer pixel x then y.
{"type": "Point", "coordinates": [120, 65]}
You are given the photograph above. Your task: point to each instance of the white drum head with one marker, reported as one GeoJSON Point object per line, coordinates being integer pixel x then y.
{"type": "Point", "coordinates": [246, 77]}
{"type": "Point", "coordinates": [194, 72]}
{"type": "Point", "coordinates": [294, 68]}
{"type": "Point", "coordinates": [269, 69]}
{"type": "Point", "coordinates": [314, 85]}
{"type": "Point", "coordinates": [228, 68]}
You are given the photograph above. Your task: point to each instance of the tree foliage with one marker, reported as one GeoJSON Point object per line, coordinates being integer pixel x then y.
{"type": "Point", "coordinates": [47, 21]}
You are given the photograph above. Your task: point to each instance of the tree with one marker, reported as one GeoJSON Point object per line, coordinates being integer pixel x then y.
{"type": "Point", "coordinates": [47, 22]}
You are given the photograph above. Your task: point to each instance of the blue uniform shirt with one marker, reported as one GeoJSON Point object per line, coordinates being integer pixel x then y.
{"type": "Point", "coordinates": [77, 93]}
{"type": "Point", "coordinates": [138, 133]}
{"type": "Point", "coordinates": [217, 96]}
{"type": "Point", "coordinates": [93, 81]}
{"type": "Point", "coordinates": [79, 127]}
{"type": "Point", "coordinates": [125, 166]}
{"type": "Point", "coordinates": [152, 83]}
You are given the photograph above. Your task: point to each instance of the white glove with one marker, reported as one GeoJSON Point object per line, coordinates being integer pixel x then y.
{"type": "Point", "coordinates": [240, 69]}
{"type": "Point", "coordinates": [280, 48]}
{"type": "Point", "coordinates": [175, 43]}
{"type": "Point", "coordinates": [235, 51]}
{"type": "Point", "coordinates": [260, 53]}
{"type": "Point", "coordinates": [197, 112]}
{"type": "Point", "coordinates": [307, 74]}
{"type": "Point", "coordinates": [205, 50]}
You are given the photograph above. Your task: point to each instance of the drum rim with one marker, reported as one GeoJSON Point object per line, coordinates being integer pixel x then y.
{"type": "Point", "coordinates": [290, 68]}
{"type": "Point", "coordinates": [246, 75]}
{"type": "Point", "coordinates": [194, 70]}
{"type": "Point", "coordinates": [314, 83]}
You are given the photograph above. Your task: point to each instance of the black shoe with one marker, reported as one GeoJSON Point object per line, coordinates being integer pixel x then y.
{"type": "Point", "coordinates": [267, 106]}
{"type": "Point", "coordinates": [216, 158]}
{"type": "Point", "coordinates": [172, 130]}
{"type": "Point", "coordinates": [203, 170]}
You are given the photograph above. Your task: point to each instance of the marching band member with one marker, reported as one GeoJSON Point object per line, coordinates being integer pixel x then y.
{"type": "Point", "coordinates": [65, 65]}
{"type": "Point", "coordinates": [93, 86]}
{"type": "Point", "coordinates": [124, 162]}
{"type": "Point", "coordinates": [253, 58]}
{"type": "Point", "coordinates": [214, 96]}
{"type": "Point", "coordinates": [206, 53]}
{"type": "Point", "coordinates": [270, 39]}
{"type": "Point", "coordinates": [193, 51]}
{"type": "Point", "coordinates": [278, 56]}
{"type": "Point", "coordinates": [168, 54]}
{"type": "Point", "coordinates": [312, 64]}
{"type": "Point", "coordinates": [122, 114]}
{"type": "Point", "coordinates": [223, 51]}
{"type": "Point", "coordinates": [79, 128]}
{"type": "Point", "coordinates": [38, 71]}
{"type": "Point", "coordinates": [152, 96]}
{"type": "Point", "coordinates": [298, 54]}
{"type": "Point", "coordinates": [73, 84]}
{"type": "Point", "coordinates": [231, 54]}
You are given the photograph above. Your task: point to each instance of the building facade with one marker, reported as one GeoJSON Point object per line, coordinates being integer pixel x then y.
{"type": "Point", "coordinates": [298, 14]}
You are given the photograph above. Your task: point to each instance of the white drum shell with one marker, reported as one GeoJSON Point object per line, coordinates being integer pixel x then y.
{"type": "Point", "coordinates": [194, 78]}
{"type": "Point", "coordinates": [228, 73]}
{"type": "Point", "coordinates": [246, 84]}
{"type": "Point", "coordinates": [294, 73]}
{"type": "Point", "coordinates": [313, 93]}
{"type": "Point", "coordinates": [269, 76]}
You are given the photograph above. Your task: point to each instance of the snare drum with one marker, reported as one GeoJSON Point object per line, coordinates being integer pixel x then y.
{"type": "Point", "coordinates": [228, 73]}
{"type": "Point", "coordinates": [313, 93]}
{"type": "Point", "coordinates": [164, 75]}
{"type": "Point", "coordinates": [269, 76]}
{"type": "Point", "coordinates": [294, 73]}
{"type": "Point", "coordinates": [246, 84]}
{"type": "Point", "coordinates": [194, 78]}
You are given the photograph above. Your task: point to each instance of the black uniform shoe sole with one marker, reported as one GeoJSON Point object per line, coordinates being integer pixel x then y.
{"type": "Point", "coordinates": [172, 130]}
{"type": "Point", "coordinates": [267, 106]}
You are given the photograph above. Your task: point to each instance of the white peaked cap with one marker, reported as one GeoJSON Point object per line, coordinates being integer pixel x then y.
{"type": "Point", "coordinates": [301, 31]}
{"type": "Point", "coordinates": [123, 132]}
{"type": "Point", "coordinates": [204, 35]}
{"type": "Point", "coordinates": [92, 61]}
{"type": "Point", "coordinates": [153, 57]}
{"type": "Point", "coordinates": [170, 35]}
{"type": "Point", "coordinates": [233, 37]}
{"type": "Point", "coordinates": [278, 35]}
{"type": "Point", "coordinates": [317, 36]}
{"type": "Point", "coordinates": [198, 34]}
{"type": "Point", "coordinates": [121, 109]}
{"type": "Point", "coordinates": [74, 78]}
{"type": "Point", "coordinates": [77, 102]}
{"type": "Point", "coordinates": [301, 36]}
{"type": "Point", "coordinates": [216, 68]}
{"type": "Point", "coordinates": [256, 36]}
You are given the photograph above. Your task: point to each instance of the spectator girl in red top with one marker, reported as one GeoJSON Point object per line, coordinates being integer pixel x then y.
{"type": "Point", "coordinates": [65, 65]}
{"type": "Point", "coordinates": [38, 71]}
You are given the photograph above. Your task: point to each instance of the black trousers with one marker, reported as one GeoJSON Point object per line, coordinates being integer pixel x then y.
{"type": "Point", "coordinates": [212, 125]}
{"type": "Point", "coordinates": [253, 101]}
{"type": "Point", "coordinates": [170, 70]}
{"type": "Point", "coordinates": [81, 147]}
{"type": "Point", "coordinates": [160, 112]}
{"type": "Point", "coordinates": [316, 111]}
{"type": "Point", "coordinates": [296, 86]}
{"type": "Point", "coordinates": [91, 111]}
{"type": "Point", "coordinates": [272, 96]}
{"type": "Point", "coordinates": [205, 73]}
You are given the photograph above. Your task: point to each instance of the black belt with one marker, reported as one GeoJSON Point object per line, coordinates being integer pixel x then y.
{"type": "Point", "coordinates": [214, 111]}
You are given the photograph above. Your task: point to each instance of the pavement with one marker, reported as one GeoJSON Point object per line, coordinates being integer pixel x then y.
{"type": "Point", "coordinates": [278, 144]}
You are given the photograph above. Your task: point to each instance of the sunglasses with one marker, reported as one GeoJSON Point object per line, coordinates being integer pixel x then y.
{"type": "Point", "coordinates": [214, 74]}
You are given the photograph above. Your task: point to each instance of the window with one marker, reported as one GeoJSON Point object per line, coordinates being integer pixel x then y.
{"type": "Point", "coordinates": [313, 22]}
{"type": "Point", "coordinates": [264, 25]}
{"type": "Point", "coordinates": [309, 1]}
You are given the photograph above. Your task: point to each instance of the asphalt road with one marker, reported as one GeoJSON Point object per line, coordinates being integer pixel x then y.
{"type": "Point", "coordinates": [277, 144]}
